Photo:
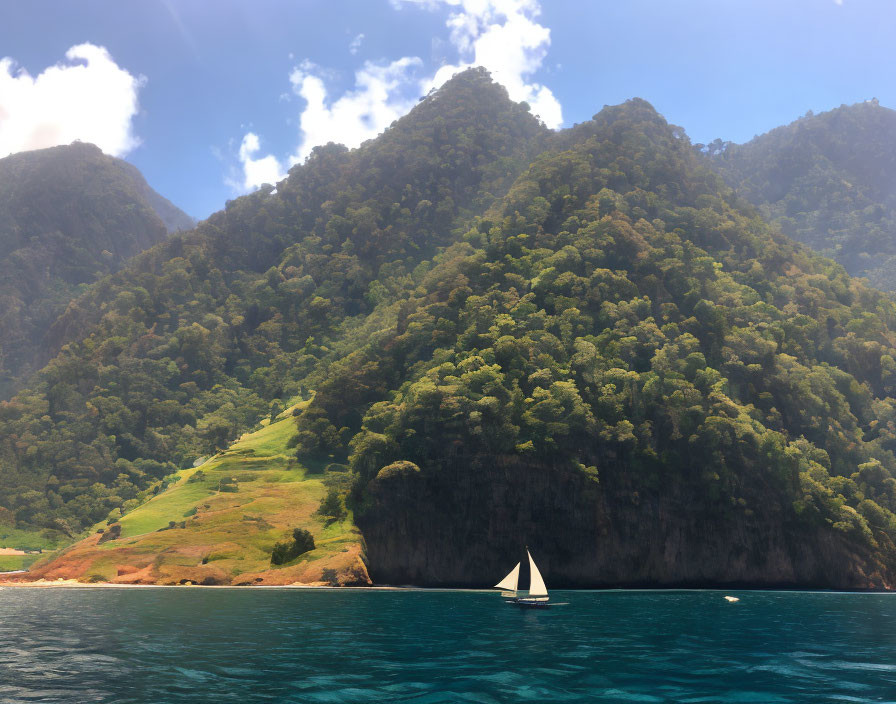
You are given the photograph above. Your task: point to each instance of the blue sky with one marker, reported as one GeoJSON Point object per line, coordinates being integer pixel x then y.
{"type": "Point", "coordinates": [209, 98]}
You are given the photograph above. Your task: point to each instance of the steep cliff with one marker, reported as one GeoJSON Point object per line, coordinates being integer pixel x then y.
{"type": "Point", "coordinates": [467, 523]}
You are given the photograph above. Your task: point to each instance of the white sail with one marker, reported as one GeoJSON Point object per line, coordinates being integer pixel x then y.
{"type": "Point", "coordinates": [511, 581]}
{"type": "Point", "coordinates": [537, 587]}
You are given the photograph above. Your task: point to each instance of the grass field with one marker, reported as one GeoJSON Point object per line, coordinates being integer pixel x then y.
{"type": "Point", "coordinates": [30, 539]}
{"type": "Point", "coordinates": [218, 523]}
{"type": "Point", "coordinates": [10, 563]}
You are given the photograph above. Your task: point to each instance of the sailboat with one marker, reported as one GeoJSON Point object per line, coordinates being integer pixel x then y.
{"type": "Point", "coordinates": [537, 597]}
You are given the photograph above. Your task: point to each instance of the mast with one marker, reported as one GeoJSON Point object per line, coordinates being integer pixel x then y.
{"type": "Point", "coordinates": [537, 588]}
{"type": "Point", "coordinates": [511, 581]}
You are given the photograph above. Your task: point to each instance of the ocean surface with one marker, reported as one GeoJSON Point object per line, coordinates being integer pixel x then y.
{"type": "Point", "coordinates": [230, 645]}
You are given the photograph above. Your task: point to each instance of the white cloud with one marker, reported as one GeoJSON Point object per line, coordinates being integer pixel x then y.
{"type": "Point", "coordinates": [379, 98]}
{"type": "Point", "coordinates": [89, 98]}
{"type": "Point", "coordinates": [356, 44]}
{"type": "Point", "coordinates": [257, 171]}
{"type": "Point", "coordinates": [501, 35]}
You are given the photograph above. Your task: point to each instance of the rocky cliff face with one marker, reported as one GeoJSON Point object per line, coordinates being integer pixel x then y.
{"type": "Point", "coordinates": [469, 522]}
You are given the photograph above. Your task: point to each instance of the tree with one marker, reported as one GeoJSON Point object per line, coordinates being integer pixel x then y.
{"type": "Point", "coordinates": [332, 507]}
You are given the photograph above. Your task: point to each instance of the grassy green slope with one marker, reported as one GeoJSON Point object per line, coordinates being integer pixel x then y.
{"type": "Point", "coordinates": [14, 563]}
{"type": "Point", "coordinates": [28, 542]}
{"type": "Point", "coordinates": [219, 535]}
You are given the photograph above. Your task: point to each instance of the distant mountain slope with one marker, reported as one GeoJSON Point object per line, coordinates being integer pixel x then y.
{"type": "Point", "coordinates": [68, 215]}
{"type": "Point", "coordinates": [175, 219]}
{"type": "Point", "coordinates": [584, 342]}
{"type": "Point", "coordinates": [828, 180]}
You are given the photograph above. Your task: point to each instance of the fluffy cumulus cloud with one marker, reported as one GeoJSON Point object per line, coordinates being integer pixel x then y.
{"type": "Point", "coordinates": [257, 171]}
{"type": "Point", "coordinates": [87, 97]}
{"type": "Point", "coordinates": [379, 98]}
{"type": "Point", "coordinates": [504, 36]}
{"type": "Point", "coordinates": [381, 95]}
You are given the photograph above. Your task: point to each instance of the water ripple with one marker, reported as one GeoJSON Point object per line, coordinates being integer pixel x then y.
{"type": "Point", "coordinates": [288, 646]}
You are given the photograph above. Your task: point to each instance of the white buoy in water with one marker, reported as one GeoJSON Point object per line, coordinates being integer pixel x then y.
{"type": "Point", "coordinates": [731, 599]}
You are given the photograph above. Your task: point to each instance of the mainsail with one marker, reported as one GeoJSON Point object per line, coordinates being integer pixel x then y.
{"type": "Point", "coordinates": [511, 580]}
{"type": "Point", "coordinates": [537, 587]}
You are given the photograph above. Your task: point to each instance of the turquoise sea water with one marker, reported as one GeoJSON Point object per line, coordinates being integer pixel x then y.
{"type": "Point", "coordinates": [230, 645]}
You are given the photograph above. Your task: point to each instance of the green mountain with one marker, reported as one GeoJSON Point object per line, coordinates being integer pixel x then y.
{"type": "Point", "coordinates": [828, 180]}
{"type": "Point", "coordinates": [68, 216]}
{"type": "Point", "coordinates": [490, 336]}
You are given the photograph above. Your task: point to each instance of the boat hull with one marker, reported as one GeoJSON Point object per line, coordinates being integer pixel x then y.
{"type": "Point", "coordinates": [530, 603]}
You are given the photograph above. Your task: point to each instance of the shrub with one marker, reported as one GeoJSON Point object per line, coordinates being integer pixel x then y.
{"type": "Point", "coordinates": [332, 507]}
{"type": "Point", "coordinates": [113, 532]}
{"type": "Point", "coordinates": [313, 465]}
{"type": "Point", "coordinates": [228, 485]}
{"type": "Point", "coordinates": [402, 468]}
{"type": "Point", "coordinates": [171, 526]}
{"type": "Point", "coordinates": [288, 550]}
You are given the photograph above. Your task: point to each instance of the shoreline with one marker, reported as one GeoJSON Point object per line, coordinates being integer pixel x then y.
{"type": "Point", "coordinates": [74, 584]}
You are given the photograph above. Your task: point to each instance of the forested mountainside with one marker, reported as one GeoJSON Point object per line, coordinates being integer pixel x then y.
{"type": "Point", "coordinates": [189, 345]}
{"type": "Point", "coordinates": [583, 342]}
{"type": "Point", "coordinates": [828, 180]}
{"type": "Point", "coordinates": [68, 215]}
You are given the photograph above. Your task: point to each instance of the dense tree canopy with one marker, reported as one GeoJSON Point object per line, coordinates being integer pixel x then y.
{"type": "Point", "coordinates": [827, 180]}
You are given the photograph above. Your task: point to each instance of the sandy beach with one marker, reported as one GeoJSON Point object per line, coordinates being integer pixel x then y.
{"type": "Point", "coordinates": [75, 584]}
{"type": "Point", "coordinates": [70, 583]}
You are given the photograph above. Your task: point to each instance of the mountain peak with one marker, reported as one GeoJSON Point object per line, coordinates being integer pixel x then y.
{"type": "Point", "coordinates": [472, 94]}
{"type": "Point", "coordinates": [476, 78]}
